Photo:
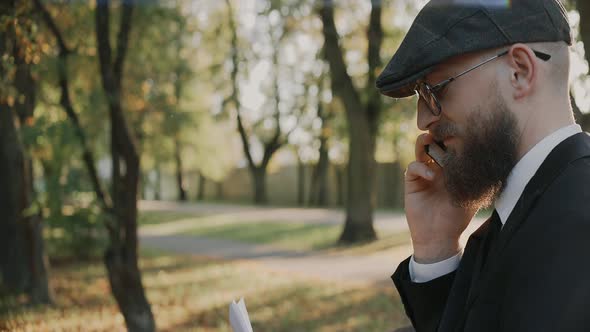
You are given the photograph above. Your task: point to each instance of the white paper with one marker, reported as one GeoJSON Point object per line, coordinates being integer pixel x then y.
{"type": "Point", "coordinates": [238, 317]}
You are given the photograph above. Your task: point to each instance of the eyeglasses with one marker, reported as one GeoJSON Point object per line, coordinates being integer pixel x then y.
{"type": "Point", "coordinates": [428, 92]}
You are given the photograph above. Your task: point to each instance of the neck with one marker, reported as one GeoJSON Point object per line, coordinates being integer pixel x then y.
{"type": "Point", "coordinates": [541, 121]}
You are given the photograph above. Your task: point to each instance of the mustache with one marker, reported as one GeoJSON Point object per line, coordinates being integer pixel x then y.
{"type": "Point", "coordinates": [444, 130]}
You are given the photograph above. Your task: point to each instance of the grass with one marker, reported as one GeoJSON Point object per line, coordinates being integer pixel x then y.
{"type": "Point", "coordinates": [293, 236]}
{"type": "Point", "coordinates": [159, 217]}
{"type": "Point", "coordinates": [296, 236]}
{"type": "Point", "coordinates": [193, 294]}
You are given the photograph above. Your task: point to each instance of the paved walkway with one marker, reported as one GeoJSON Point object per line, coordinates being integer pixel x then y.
{"type": "Point", "coordinates": [226, 213]}
{"type": "Point", "coordinates": [372, 268]}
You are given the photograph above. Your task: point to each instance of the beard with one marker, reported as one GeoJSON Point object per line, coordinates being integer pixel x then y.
{"type": "Point", "coordinates": [475, 177]}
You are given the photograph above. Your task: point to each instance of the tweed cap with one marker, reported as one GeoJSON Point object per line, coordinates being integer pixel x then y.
{"type": "Point", "coordinates": [447, 28]}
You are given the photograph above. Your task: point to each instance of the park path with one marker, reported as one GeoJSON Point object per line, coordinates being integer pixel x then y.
{"type": "Point", "coordinates": [369, 268]}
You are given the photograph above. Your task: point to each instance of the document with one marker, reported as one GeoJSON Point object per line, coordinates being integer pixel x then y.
{"type": "Point", "coordinates": [238, 317]}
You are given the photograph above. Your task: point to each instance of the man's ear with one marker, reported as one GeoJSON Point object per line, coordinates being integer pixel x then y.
{"type": "Point", "coordinates": [523, 70]}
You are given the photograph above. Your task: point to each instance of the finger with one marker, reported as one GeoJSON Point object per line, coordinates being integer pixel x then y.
{"type": "Point", "coordinates": [417, 170]}
{"type": "Point", "coordinates": [420, 152]}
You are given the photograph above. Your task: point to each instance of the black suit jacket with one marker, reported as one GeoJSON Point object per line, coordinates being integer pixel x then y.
{"type": "Point", "coordinates": [537, 277]}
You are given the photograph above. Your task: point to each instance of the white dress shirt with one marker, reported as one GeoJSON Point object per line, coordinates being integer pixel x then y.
{"type": "Point", "coordinates": [519, 177]}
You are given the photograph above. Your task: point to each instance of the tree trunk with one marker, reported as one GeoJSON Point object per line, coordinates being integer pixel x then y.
{"type": "Point", "coordinates": [40, 289]}
{"type": "Point", "coordinates": [121, 255]}
{"type": "Point", "coordinates": [179, 179]}
{"type": "Point", "coordinates": [361, 180]}
{"type": "Point", "coordinates": [397, 196]}
{"type": "Point", "coordinates": [300, 182]}
{"type": "Point", "coordinates": [14, 275]}
{"type": "Point", "coordinates": [22, 258]}
{"type": "Point", "coordinates": [51, 182]}
{"type": "Point", "coordinates": [322, 174]}
{"type": "Point", "coordinates": [143, 186]}
{"type": "Point", "coordinates": [362, 123]}
{"type": "Point", "coordinates": [219, 194]}
{"type": "Point", "coordinates": [259, 183]}
{"type": "Point", "coordinates": [257, 171]}
{"type": "Point", "coordinates": [38, 263]}
{"type": "Point", "coordinates": [158, 184]}
{"type": "Point", "coordinates": [339, 185]}
{"type": "Point", "coordinates": [319, 185]}
{"type": "Point", "coordinates": [201, 192]}
{"type": "Point", "coordinates": [127, 288]}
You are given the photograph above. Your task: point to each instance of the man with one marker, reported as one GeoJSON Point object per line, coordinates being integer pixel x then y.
{"type": "Point", "coordinates": [493, 90]}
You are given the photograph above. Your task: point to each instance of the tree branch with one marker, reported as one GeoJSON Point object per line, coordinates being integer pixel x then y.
{"type": "Point", "coordinates": [375, 38]}
{"type": "Point", "coordinates": [277, 100]}
{"type": "Point", "coordinates": [342, 84]}
{"type": "Point", "coordinates": [103, 198]}
{"type": "Point", "coordinates": [244, 138]}
{"type": "Point", "coordinates": [122, 39]}
{"type": "Point", "coordinates": [102, 20]}
{"type": "Point", "coordinates": [112, 73]}
{"type": "Point", "coordinates": [52, 26]}
{"type": "Point", "coordinates": [235, 90]}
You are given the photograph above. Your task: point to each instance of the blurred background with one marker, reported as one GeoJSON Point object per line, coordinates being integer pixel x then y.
{"type": "Point", "coordinates": [159, 159]}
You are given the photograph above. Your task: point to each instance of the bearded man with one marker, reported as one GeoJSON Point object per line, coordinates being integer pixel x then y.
{"type": "Point", "coordinates": [493, 86]}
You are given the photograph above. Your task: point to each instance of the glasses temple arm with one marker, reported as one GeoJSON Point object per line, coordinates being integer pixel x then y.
{"type": "Point", "coordinates": [443, 83]}
{"type": "Point", "coordinates": [540, 55]}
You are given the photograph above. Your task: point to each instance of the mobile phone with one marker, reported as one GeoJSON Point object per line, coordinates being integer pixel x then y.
{"type": "Point", "coordinates": [437, 152]}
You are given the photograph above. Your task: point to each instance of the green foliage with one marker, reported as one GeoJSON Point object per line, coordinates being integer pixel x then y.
{"type": "Point", "coordinates": [79, 234]}
{"type": "Point", "coordinates": [74, 226]}
{"type": "Point", "coordinates": [398, 131]}
{"type": "Point", "coordinates": [18, 33]}
{"type": "Point", "coordinates": [177, 75]}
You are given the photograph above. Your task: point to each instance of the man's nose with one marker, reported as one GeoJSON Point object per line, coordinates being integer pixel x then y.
{"type": "Point", "coordinates": [425, 116]}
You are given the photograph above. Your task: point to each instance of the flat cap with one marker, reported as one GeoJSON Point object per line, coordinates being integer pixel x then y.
{"type": "Point", "coordinates": [447, 28]}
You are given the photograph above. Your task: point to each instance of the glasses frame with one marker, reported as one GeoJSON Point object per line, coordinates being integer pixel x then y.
{"type": "Point", "coordinates": [428, 92]}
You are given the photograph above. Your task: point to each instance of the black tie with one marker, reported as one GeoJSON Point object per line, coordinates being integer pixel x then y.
{"type": "Point", "coordinates": [486, 248]}
{"type": "Point", "coordinates": [492, 237]}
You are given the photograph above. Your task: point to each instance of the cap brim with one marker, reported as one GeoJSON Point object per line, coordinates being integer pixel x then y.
{"type": "Point", "coordinates": [403, 88]}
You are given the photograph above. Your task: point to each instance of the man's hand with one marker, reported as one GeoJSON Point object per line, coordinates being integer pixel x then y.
{"type": "Point", "coordinates": [435, 222]}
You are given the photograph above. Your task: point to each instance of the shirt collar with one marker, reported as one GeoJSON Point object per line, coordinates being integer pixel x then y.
{"type": "Point", "coordinates": [526, 167]}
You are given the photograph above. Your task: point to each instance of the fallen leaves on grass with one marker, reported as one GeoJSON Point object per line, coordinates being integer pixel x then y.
{"type": "Point", "coordinates": [189, 293]}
